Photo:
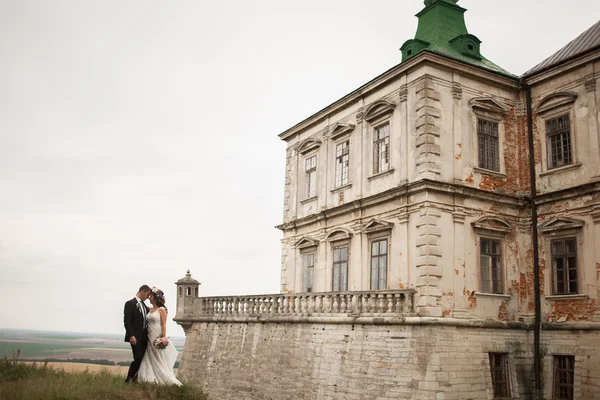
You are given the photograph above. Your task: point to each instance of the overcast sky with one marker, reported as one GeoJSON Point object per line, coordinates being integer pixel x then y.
{"type": "Point", "coordinates": [139, 138]}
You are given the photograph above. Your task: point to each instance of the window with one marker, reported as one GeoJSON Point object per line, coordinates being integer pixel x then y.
{"type": "Point", "coordinates": [188, 291]}
{"type": "Point", "coordinates": [340, 269]}
{"type": "Point", "coordinates": [379, 250]}
{"type": "Point", "coordinates": [381, 149]}
{"type": "Point", "coordinates": [196, 292]}
{"type": "Point", "coordinates": [564, 375]}
{"type": "Point", "coordinates": [342, 157]}
{"type": "Point", "coordinates": [308, 264]}
{"type": "Point", "coordinates": [491, 266]}
{"type": "Point", "coordinates": [564, 266]}
{"type": "Point", "coordinates": [489, 149]}
{"type": "Point", "coordinates": [310, 167]}
{"type": "Point", "coordinates": [558, 131]}
{"type": "Point", "coordinates": [180, 291]}
{"type": "Point", "coordinates": [500, 376]}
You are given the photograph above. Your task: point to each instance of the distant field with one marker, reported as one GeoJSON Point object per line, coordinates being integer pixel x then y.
{"type": "Point", "coordinates": [31, 349]}
{"type": "Point", "coordinates": [76, 367]}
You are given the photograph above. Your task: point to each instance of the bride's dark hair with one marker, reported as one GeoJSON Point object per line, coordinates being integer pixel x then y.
{"type": "Point", "coordinates": [159, 297]}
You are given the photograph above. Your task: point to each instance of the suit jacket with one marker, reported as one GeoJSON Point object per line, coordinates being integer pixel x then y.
{"type": "Point", "coordinates": [133, 319]}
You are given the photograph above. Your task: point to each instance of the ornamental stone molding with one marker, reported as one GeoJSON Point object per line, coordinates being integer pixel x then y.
{"type": "Point", "coordinates": [378, 109]}
{"type": "Point", "coordinates": [457, 91]}
{"type": "Point", "coordinates": [590, 83]}
{"type": "Point", "coordinates": [554, 100]}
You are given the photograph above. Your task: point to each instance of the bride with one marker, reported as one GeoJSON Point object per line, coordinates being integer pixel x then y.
{"type": "Point", "coordinates": [157, 365]}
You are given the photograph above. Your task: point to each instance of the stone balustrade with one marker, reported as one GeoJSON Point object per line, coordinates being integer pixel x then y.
{"type": "Point", "coordinates": [369, 303]}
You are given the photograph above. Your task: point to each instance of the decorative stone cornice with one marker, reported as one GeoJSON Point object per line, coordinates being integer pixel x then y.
{"type": "Point", "coordinates": [555, 100]}
{"type": "Point", "coordinates": [359, 115]}
{"type": "Point", "coordinates": [341, 129]}
{"type": "Point", "coordinates": [491, 224]}
{"type": "Point", "coordinates": [403, 95]}
{"type": "Point", "coordinates": [337, 234]}
{"type": "Point", "coordinates": [590, 83]}
{"type": "Point", "coordinates": [377, 225]}
{"type": "Point", "coordinates": [378, 109]}
{"type": "Point", "coordinates": [306, 242]}
{"type": "Point", "coordinates": [560, 224]}
{"type": "Point", "coordinates": [489, 104]}
{"type": "Point", "coordinates": [308, 145]}
{"type": "Point", "coordinates": [457, 91]}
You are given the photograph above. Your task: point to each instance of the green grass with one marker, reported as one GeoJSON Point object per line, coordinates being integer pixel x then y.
{"type": "Point", "coordinates": [31, 349]}
{"type": "Point", "coordinates": [19, 381]}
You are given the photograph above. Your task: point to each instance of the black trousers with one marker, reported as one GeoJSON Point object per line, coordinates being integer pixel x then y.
{"type": "Point", "coordinates": [138, 354]}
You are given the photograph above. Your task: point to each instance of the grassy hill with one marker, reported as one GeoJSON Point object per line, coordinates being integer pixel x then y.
{"type": "Point", "coordinates": [21, 381]}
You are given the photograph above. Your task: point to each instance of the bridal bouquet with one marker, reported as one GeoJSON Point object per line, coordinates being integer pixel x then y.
{"type": "Point", "coordinates": [161, 342]}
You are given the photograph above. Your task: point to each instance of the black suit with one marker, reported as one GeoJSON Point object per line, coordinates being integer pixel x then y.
{"type": "Point", "coordinates": [133, 318]}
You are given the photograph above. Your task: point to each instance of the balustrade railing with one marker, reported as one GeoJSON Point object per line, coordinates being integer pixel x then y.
{"type": "Point", "coordinates": [370, 303]}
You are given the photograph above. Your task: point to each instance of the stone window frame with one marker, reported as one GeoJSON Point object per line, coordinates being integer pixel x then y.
{"type": "Point", "coordinates": [512, 371]}
{"type": "Point", "coordinates": [340, 133]}
{"type": "Point", "coordinates": [376, 115]}
{"type": "Point", "coordinates": [188, 291]}
{"type": "Point", "coordinates": [339, 238]}
{"type": "Point", "coordinates": [553, 106]}
{"type": "Point", "coordinates": [506, 372]}
{"type": "Point", "coordinates": [378, 230]}
{"type": "Point", "coordinates": [308, 268]}
{"type": "Point", "coordinates": [488, 109]}
{"type": "Point", "coordinates": [492, 228]}
{"type": "Point", "coordinates": [306, 245]}
{"type": "Point", "coordinates": [307, 149]}
{"type": "Point", "coordinates": [548, 369]}
{"type": "Point", "coordinates": [556, 229]}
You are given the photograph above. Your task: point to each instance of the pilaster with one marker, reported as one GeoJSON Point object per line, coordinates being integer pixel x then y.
{"type": "Point", "coordinates": [428, 129]}
{"type": "Point", "coordinates": [429, 261]}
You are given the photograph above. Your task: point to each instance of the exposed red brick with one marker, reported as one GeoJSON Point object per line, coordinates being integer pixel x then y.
{"type": "Point", "coordinates": [469, 179]}
{"type": "Point", "coordinates": [502, 311]}
{"type": "Point", "coordinates": [472, 300]}
{"type": "Point", "coordinates": [572, 310]}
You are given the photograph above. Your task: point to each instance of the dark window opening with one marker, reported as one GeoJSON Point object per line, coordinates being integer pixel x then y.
{"type": "Point", "coordinates": [564, 376]}
{"type": "Point", "coordinates": [500, 375]}
{"type": "Point", "coordinates": [564, 266]}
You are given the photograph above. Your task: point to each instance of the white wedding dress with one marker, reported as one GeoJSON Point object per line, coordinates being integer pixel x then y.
{"type": "Point", "coordinates": [157, 365]}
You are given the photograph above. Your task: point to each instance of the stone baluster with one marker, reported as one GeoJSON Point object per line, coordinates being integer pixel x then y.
{"type": "Point", "coordinates": [343, 304]}
{"type": "Point", "coordinates": [336, 304]}
{"type": "Point", "coordinates": [297, 305]}
{"type": "Point", "coordinates": [364, 303]}
{"type": "Point", "coordinates": [355, 304]}
{"type": "Point", "coordinates": [319, 304]}
{"type": "Point", "coordinates": [381, 303]}
{"type": "Point", "coordinates": [389, 298]}
{"type": "Point", "coordinates": [311, 304]}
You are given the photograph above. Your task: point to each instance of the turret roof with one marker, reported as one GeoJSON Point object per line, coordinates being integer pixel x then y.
{"type": "Point", "coordinates": [442, 30]}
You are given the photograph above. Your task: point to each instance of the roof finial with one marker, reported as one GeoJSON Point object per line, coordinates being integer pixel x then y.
{"type": "Point", "coordinates": [188, 273]}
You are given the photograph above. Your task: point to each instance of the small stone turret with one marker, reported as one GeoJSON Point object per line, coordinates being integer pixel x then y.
{"type": "Point", "coordinates": [187, 291]}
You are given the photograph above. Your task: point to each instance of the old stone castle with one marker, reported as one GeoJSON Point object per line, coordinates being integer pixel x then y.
{"type": "Point", "coordinates": [441, 238]}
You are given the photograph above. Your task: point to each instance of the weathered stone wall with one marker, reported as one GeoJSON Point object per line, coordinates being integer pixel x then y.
{"type": "Point", "coordinates": [416, 360]}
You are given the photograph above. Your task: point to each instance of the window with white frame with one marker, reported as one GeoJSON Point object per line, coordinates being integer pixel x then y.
{"type": "Point", "coordinates": [564, 266]}
{"type": "Point", "coordinates": [558, 139]}
{"type": "Point", "coordinates": [492, 275]}
{"type": "Point", "coordinates": [342, 162]}
{"type": "Point", "coordinates": [340, 269]}
{"type": "Point", "coordinates": [500, 375]}
{"type": "Point", "coordinates": [310, 169]}
{"type": "Point", "coordinates": [308, 267]}
{"type": "Point", "coordinates": [379, 263]}
{"type": "Point", "coordinates": [489, 146]}
{"type": "Point", "coordinates": [381, 148]}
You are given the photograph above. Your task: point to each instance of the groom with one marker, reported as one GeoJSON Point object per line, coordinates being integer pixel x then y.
{"type": "Point", "coordinates": [134, 318]}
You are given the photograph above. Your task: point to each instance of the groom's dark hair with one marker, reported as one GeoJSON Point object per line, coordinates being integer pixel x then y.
{"type": "Point", "coordinates": [144, 288]}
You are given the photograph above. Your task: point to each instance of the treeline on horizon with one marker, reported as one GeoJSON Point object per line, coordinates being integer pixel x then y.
{"type": "Point", "coordinates": [84, 361]}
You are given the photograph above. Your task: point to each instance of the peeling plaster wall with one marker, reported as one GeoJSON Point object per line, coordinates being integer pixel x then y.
{"type": "Point", "coordinates": [243, 361]}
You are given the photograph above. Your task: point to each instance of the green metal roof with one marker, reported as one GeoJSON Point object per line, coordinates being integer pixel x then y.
{"type": "Point", "coordinates": [442, 30]}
